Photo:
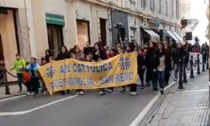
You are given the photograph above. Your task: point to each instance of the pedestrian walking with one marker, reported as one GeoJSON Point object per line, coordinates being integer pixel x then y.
{"type": "Point", "coordinates": [161, 66]}
{"type": "Point", "coordinates": [19, 64]}
{"type": "Point", "coordinates": [99, 55]}
{"type": "Point", "coordinates": [62, 55]}
{"type": "Point", "coordinates": [81, 57]}
{"type": "Point", "coordinates": [32, 68]}
{"type": "Point", "coordinates": [168, 61]}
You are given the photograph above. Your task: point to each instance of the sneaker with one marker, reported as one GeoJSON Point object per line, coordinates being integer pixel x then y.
{"type": "Point", "coordinates": [109, 90]}
{"type": "Point", "coordinates": [161, 91]}
{"type": "Point", "coordinates": [134, 93]}
{"type": "Point", "coordinates": [44, 92]}
{"type": "Point", "coordinates": [36, 95]}
{"type": "Point", "coordinates": [28, 93]}
{"type": "Point", "coordinates": [123, 90]}
{"type": "Point", "coordinates": [148, 85]}
{"type": "Point", "coordinates": [175, 79]}
{"type": "Point", "coordinates": [101, 93]}
{"type": "Point", "coordinates": [180, 87]}
{"type": "Point", "coordinates": [81, 92]}
{"type": "Point", "coordinates": [77, 93]}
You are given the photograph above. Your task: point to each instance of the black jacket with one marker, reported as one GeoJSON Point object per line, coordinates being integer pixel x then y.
{"type": "Point", "coordinates": [168, 59]}
{"type": "Point", "coordinates": [150, 59]}
{"type": "Point", "coordinates": [88, 50]}
{"type": "Point", "coordinates": [141, 61]}
{"type": "Point", "coordinates": [178, 55]}
{"type": "Point", "coordinates": [62, 56]}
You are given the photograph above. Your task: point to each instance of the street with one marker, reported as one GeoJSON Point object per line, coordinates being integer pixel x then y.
{"type": "Point", "coordinates": [116, 109]}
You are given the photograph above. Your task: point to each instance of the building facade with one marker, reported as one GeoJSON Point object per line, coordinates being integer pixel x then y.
{"type": "Point", "coordinates": [29, 27]}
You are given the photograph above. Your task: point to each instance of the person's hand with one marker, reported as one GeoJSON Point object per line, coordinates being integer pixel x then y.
{"type": "Point", "coordinates": [143, 67]}
{"type": "Point", "coordinates": [154, 70]}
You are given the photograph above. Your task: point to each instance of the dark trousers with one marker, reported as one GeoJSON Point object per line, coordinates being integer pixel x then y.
{"type": "Point", "coordinates": [35, 84]}
{"type": "Point", "coordinates": [133, 88]}
{"type": "Point", "coordinates": [20, 80]}
{"type": "Point", "coordinates": [28, 86]}
{"type": "Point", "coordinates": [167, 76]}
{"type": "Point", "coordinates": [154, 77]}
{"type": "Point", "coordinates": [141, 75]}
{"type": "Point", "coordinates": [148, 75]}
{"type": "Point", "coordinates": [161, 79]}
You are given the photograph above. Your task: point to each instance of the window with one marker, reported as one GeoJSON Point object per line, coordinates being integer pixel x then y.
{"type": "Point", "coordinates": [143, 3]}
{"type": "Point", "coordinates": [152, 4]}
{"type": "Point", "coordinates": [172, 6]}
{"type": "Point", "coordinates": [166, 7]}
{"type": "Point", "coordinates": [160, 6]}
{"type": "Point", "coordinates": [177, 9]}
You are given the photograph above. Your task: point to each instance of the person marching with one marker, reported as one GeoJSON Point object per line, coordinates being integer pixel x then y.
{"type": "Point", "coordinates": [168, 61]}
{"type": "Point", "coordinates": [99, 55]}
{"type": "Point", "coordinates": [19, 64]}
{"type": "Point", "coordinates": [161, 65]}
{"type": "Point", "coordinates": [62, 55]}
{"type": "Point", "coordinates": [32, 68]}
{"type": "Point", "coordinates": [79, 55]}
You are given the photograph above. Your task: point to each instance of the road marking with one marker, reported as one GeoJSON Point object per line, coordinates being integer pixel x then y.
{"type": "Point", "coordinates": [12, 98]}
{"type": "Point", "coordinates": [37, 108]}
{"type": "Point", "coordinates": [143, 113]}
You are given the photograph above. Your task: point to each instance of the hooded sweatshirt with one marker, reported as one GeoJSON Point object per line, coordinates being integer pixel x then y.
{"type": "Point", "coordinates": [18, 64]}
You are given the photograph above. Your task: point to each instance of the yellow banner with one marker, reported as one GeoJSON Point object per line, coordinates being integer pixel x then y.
{"type": "Point", "coordinates": [72, 74]}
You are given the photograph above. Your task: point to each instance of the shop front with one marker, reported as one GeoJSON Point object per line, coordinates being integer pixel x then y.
{"type": "Point", "coordinates": [119, 27]}
{"type": "Point", "coordinates": [9, 43]}
{"type": "Point", "coordinates": [55, 25]}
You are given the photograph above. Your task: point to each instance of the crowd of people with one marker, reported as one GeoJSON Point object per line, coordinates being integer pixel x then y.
{"type": "Point", "coordinates": [155, 59]}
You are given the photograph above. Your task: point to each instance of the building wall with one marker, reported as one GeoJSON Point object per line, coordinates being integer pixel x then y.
{"type": "Point", "coordinates": [7, 29]}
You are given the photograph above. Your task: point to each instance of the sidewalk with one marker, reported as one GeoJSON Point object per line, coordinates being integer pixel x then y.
{"type": "Point", "coordinates": [13, 90]}
{"type": "Point", "coordinates": [188, 107]}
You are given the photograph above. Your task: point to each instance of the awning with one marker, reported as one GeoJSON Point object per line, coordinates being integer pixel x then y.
{"type": "Point", "coordinates": [180, 38]}
{"type": "Point", "coordinates": [154, 36]}
{"type": "Point", "coordinates": [173, 36]}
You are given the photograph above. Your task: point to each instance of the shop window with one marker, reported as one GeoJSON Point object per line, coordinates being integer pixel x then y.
{"type": "Point", "coordinates": [55, 37]}
{"type": "Point", "coordinates": [83, 32]}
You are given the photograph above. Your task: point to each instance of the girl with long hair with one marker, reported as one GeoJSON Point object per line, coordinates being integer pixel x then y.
{"type": "Point", "coordinates": [161, 66]}
{"type": "Point", "coordinates": [99, 55]}
{"type": "Point", "coordinates": [62, 55]}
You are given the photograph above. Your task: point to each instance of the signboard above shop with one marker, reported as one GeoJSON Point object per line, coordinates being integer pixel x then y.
{"type": "Point", "coordinates": [55, 19]}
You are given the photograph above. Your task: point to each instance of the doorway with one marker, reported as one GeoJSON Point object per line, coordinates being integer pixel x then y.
{"type": "Point", "coordinates": [103, 31]}
{"type": "Point", "coordinates": [83, 31]}
{"type": "Point", "coordinates": [55, 37]}
{"type": "Point", "coordinates": [1, 53]}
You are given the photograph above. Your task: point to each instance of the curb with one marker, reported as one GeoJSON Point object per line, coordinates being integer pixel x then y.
{"type": "Point", "coordinates": [144, 112]}
{"type": "Point", "coordinates": [11, 96]}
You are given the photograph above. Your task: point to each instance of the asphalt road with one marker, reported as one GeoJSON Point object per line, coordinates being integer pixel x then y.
{"type": "Point", "coordinates": [115, 109]}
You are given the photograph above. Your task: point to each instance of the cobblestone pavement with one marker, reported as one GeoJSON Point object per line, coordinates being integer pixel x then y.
{"type": "Point", "coordinates": [189, 107]}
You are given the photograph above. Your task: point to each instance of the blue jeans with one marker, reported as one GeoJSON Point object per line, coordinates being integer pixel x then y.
{"type": "Point", "coordinates": [20, 80]}
{"type": "Point", "coordinates": [161, 79]}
